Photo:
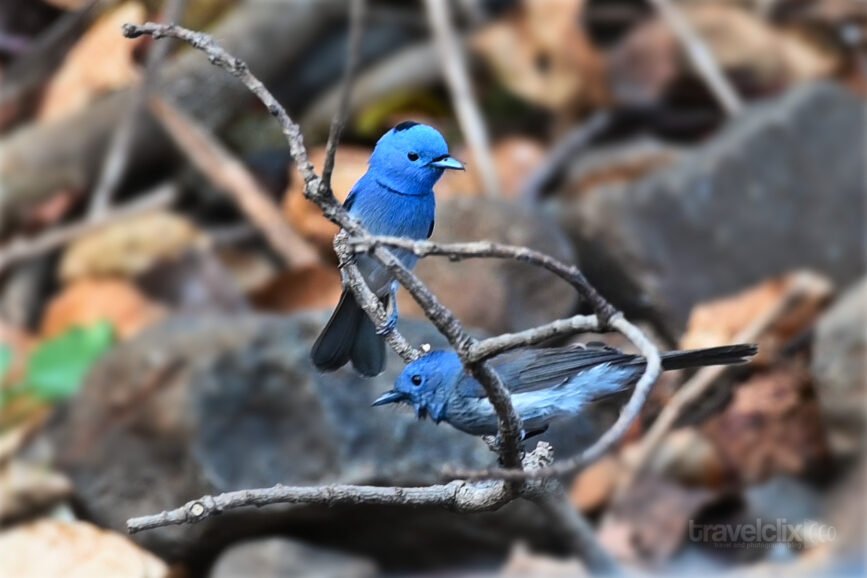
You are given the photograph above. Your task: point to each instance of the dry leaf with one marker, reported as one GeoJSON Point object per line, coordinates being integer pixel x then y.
{"type": "Point", "coordinates": [51, 548]}
{"type": "Point", "coordinates": [541, 53]}
{"type": "Point", "coordinates": [131, 246]}
{"type": "Point", "coordinates": [25, 488]}
{"type": "Point", "coordinates": [717, 322]}
{"type": "Point", "coordinates": [594, 486]}
{"type": "Point", "coordinates": [772, 426]}
{"type": "Point", "coordinates": [306, 217]}
{"type": "Point", "coordinates": [100, 62]}
{"type": "Point", "coordinates": [89, 301]}
{"type": "Point", "coordinates": [649, 523]}
{"type": "Point", "coordinates": [761, 58]}
{"type": "Point", "coordinates": [314, 287]}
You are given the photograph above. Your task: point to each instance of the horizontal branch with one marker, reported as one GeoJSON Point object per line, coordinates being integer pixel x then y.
{"type": "Point", "coordinates": [458, 496]}
{"type": "Point", "coordinates": [488, 250]}
{"type": "Point", "coordinates": [494, 346]}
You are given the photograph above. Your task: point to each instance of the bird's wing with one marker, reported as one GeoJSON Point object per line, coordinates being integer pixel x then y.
{"type": "Point", "coordinates": [534, 369]}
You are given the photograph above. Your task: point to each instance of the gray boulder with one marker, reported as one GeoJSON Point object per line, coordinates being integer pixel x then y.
{"type": "Point", "coordinates": [781, 188]}
{"type": "Point", "coordinates": [210, 404]}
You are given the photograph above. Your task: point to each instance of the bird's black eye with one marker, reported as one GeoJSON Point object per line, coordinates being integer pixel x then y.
{"type": "Point", "coordinates": [412, 156]}
{"type": "Point", "coordinates": [416, 380]}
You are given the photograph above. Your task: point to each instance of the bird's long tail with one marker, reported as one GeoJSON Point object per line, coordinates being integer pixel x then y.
{"type": "Point", "coordinates": [350, 335]}
{"type": "Point", "coordinates": [724, 355]}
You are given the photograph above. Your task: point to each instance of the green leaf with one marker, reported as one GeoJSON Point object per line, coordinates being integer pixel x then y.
{"type": "Point", "coordinates": [57, 367]}
{"type": "Point", "coordinates": [5, 361]}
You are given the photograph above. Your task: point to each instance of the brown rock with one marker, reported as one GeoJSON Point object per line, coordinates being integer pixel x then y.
{"type": "Point", "coordinates": [49, 548]}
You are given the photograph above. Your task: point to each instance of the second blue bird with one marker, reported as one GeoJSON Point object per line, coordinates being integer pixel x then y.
{"type": "Point", "coordinates": [394, 197]}
{"type": "Point", "coordinates": [545, 384]}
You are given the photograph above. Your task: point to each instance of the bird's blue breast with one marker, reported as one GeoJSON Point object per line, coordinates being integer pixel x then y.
{"type": "Point", "coordinates": [384, 211]}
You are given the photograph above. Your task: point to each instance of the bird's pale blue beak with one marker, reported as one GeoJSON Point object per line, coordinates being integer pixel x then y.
{"type": "Point", "coordinates": [388, 397]}
{"type": "Point", "coordinates": [447, 162]}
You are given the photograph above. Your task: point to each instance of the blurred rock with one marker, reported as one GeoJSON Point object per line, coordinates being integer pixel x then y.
{"type": "Point", "coordinates": [781, 188]}
{"type": "Point", "coordinates": [282, 558]}
{"type": "Point", "coordinates": [523, 563]}
{"type": "Point", "coordinates": [50, 548]}
{"type": "Point", "coordinates": [594, 486]}
{"type": "Point", "coordinates": [495, 294]}
{"type": "Point", "coordinates": [839, 366]}
{"type": "Point", "coordinates": [208, 404]}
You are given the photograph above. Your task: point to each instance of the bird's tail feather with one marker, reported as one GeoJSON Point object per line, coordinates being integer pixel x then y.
{"type": "Point", "coordinates": [724, 355]}
{"type": "Point", "coordinates": [349, 335]}
{"type": "Point", "coordinates": [333, 347]}
{"type": "Point", "coordinates": [368, 350]}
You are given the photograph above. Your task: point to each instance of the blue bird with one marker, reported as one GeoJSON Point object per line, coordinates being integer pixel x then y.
{"type": "Point", "coordinates": [394, 197]}
{"type": "Point", "coordinates": [545, 384]}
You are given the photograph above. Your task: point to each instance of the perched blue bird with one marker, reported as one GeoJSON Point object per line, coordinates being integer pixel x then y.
{"type": "Point", "coordinates": [394, 197]}
{"type": "Point", "coordinates": [545, 384]}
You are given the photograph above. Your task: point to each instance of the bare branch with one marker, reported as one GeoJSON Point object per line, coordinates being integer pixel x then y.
{"type": "Point", "coordinates": [353, 50]}
{"type": "Point", "coordinates": [494, 346]}
{"type": "Point", "coordinates": [368, 301]}
{"type": "Point", "coordinates": [19, 250]}
{"type": "Point", "coordinates": [457, 496]}
{"type": "Point", "coordinates": [487, 249]}
{"type": "Point", "coordinates": [700, 56]}
{"type": "Point", "coordinates": [219, 57]}
{"type": "Point", "coordinates": [467, 109]}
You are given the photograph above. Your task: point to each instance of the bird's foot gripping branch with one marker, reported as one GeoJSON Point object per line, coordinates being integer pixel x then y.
{"type": "Point", "coordinates": [530, 478]}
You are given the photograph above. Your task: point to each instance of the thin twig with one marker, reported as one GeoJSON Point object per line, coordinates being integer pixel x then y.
{"type": "Point", "coordinates": [700, 56]}
{"type": "Point", "coordinates": [226, 172]}
{"type": "Point", "coordinates": [458, 81]}
{"type": "Point", "coordinates": [564, 151]}
{"type": "Point", "coordinates": [488, 250]}
{"type": "Point", "coordinates": [120, 146]}
{"type": "Point", "coordinates": [353, 50]}
{"type": "Point", "coordinates": [19, 250]}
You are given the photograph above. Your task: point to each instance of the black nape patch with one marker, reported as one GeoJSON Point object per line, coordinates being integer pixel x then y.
{"type": "Point", "coordinates": [405, 125]}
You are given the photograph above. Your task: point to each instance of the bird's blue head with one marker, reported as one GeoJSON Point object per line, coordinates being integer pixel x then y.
{"type": "Point", "coordinates": [425, 384]}
{"type": "Point", "coordinates": [411, 158]}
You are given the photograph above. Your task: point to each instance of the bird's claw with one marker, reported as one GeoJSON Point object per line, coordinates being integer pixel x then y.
{"type": "Point", "coordinates": [389, 324]}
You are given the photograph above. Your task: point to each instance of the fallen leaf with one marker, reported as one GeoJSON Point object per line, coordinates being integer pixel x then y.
{"type": "Point", "coordinates": [594, 486]}
{"type": "Point", "coordinates": [314, 287]}
{"type": "Point", "coordinates": [649, 523]}
{"type": "Point", "coordinates": [304, 216]}
{"type": "Point", "coordinates": [88, 301]}
{"type": "Point", "coordinates": [130, 246]}
{"type": "Point", "coordinates": [101, 61]}
{"type": "Point", "coordinates": [26, 488]}
{"type": "Point", "coordinates": [720, 321]}
{"type": "Point", "coordinates": [57, 367]}
{"type": "Point", "coordinates": [773, 426]}
{"type": "Point", "coordinates": [759, 58]}
{"type": "Point", "coordinates": [52, 548]}
{"type": "Point", "coordinates": [541, 52]}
